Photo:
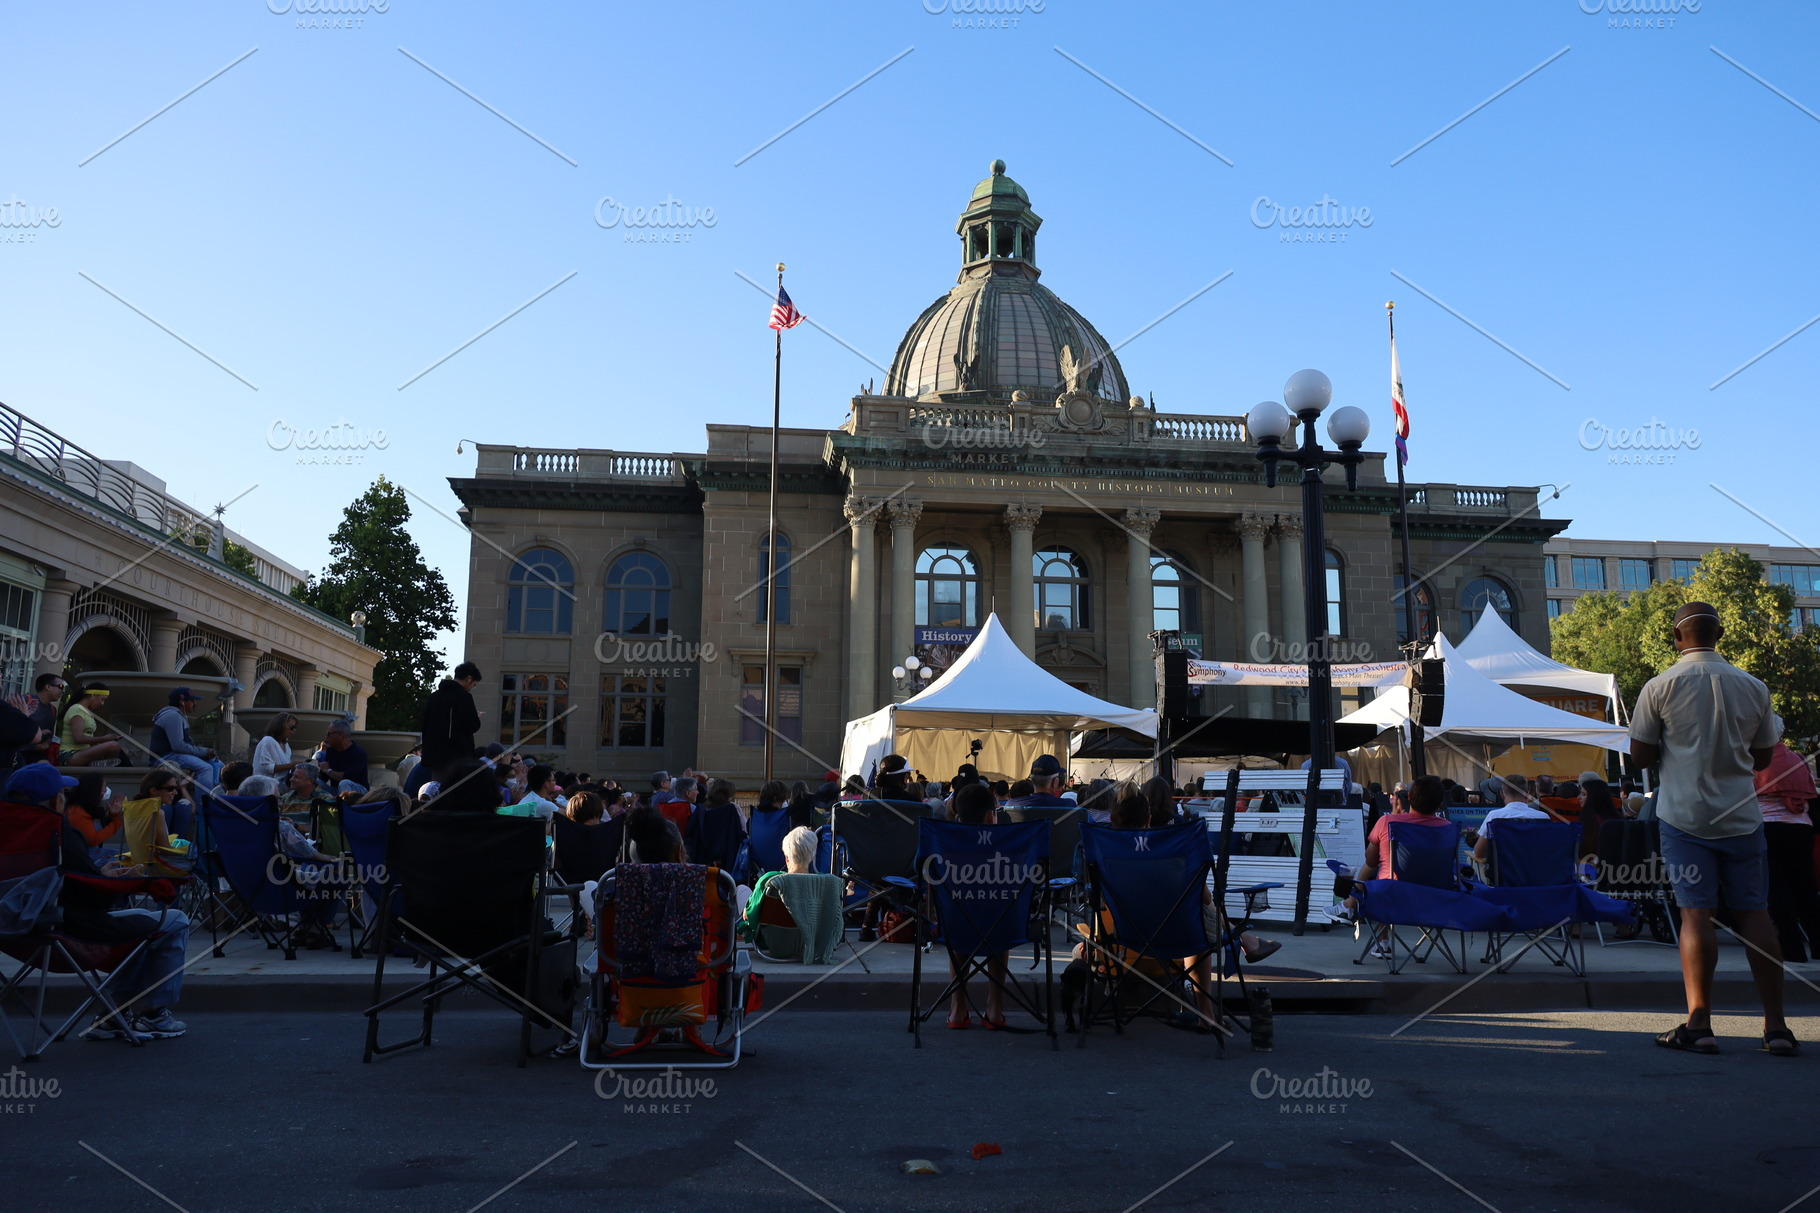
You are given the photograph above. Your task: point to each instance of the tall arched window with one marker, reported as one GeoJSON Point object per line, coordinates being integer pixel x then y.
{"type": "Point", "coordinates": [638, 596]}
{"type": "Point", "coordinates": [783, 576]}
{"type": "Point", "coordinates": [1061, 590]}
{"type": "Point", "coordinates": [1487, 593]}
{"type": "Point", "coordinates": [1425, 611]}
{"type": "Point", "coordinates": [1174, 602]}
{"type": "Point", "coordinates": [947, 588]}
{"type": "Point", "coordinates": [1336, 596]}
{"type": "Point", "coordinates": [540, 593]}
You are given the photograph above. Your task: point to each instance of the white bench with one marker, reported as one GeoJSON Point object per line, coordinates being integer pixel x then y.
{"type": "Point", "coordinates": [1339, 834]}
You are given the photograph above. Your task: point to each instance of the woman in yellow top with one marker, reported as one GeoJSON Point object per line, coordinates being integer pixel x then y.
{"type": "Point", "coordinates": [82, 737]}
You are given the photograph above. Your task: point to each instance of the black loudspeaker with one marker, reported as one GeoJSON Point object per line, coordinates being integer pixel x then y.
{"type": "Point", "coordinates": [1427, 683]}
{"type": "Point", "coordinates": [1175, 682]}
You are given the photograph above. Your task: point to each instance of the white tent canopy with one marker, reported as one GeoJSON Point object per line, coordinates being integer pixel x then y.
{"type": "Point", "coordinates": [1476, 709]}
{"type": "Point", "coordinates": [1508, 660]}
{"type": "Point", "coordinates": [995, 693]}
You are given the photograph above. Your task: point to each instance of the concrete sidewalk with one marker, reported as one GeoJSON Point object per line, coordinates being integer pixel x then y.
{"type": "Point", "coordinates": [1313, 973]}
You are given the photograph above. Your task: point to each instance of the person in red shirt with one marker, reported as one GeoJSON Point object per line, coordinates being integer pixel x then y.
{"type": "Point", "coordinates": [681, 805]}
{"type": "Point", "coordinates": [1425, 809]}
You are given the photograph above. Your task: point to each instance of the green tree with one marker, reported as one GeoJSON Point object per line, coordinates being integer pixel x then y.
{"type": "Point", "coordinates": [375, 566]}
{"type": "Point", "coordinates": [1634, 638]}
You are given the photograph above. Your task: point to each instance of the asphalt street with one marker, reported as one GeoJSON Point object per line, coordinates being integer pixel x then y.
{"type": "Point", "coordinates": [1575, 1110]}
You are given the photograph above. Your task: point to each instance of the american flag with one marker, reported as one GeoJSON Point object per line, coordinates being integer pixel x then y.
{"type": "Point", "coordinates": [783, 313]}
{"type": "Point", "coordinates": [1396, 403]}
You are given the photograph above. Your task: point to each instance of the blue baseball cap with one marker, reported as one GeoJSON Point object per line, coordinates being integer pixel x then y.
{"type": "Point", "coordinates": [38, 781]}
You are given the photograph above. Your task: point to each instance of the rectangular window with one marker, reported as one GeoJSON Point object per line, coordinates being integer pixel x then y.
{"type": "Point", "coordinates": [1589, 572]}
{"type": "Point", "coordinates": [533, 710]}
{"type": "Point", "coordinates": [1554, 608]}
{"type": "Point", "coordinates": [632, 711]}
{"type": "Point", "coordinates": [1551, 574]}
{"type": "Point", "coordinates": [789, 722]}
{"type": "Point", "coordinates": [18, 605]}
{"type": "Point", "coordinates": [1682, 570]}
{"type": "Point", "coordinates": [1804, 579]}
{"type": "Point", "coordinates": [327, 699]}
{"type": "Point", "coordinates": [1633, 574]}
{"type": "Point", "coordinates": [1336, 601]}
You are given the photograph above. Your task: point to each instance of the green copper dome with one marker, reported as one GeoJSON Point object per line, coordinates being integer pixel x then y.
{"type": "Point", "coordinates": [1000, 330]}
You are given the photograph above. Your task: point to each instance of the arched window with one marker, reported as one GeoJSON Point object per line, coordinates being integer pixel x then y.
{"type": "Point", "coordinates": [540, 593]}
{"type": "Point", "coordinates": [1487, 593]}
{"type": "Point", "coordinates": [1061, 590]}
{"type": "Point", "coordinates": [783, 576]}
{"type": "Point", "coordinates": [947, 588]}
{"type": "Point", "coordinates": [1336, 596]}
{"type": "Point", "coordinates": [1425, 611]}
{"type": "Point", "coordinates": [1174, 602]}
{"type": "Point", "coordinates": [638, 596]}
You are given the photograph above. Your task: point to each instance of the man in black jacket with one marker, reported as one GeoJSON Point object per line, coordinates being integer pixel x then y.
{"type": "Point", "coordinates": [450, 721]}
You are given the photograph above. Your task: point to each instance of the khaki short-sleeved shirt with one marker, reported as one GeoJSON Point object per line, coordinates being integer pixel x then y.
{"type": "Point", "coordinates": [1707, 715]}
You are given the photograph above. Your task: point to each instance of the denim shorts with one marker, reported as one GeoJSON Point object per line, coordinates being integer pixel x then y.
{"type": "Point", "coordinates": [1702, 870]}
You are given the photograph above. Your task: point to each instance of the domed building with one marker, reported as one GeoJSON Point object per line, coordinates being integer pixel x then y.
{"type": "Point", "coordinates": [616, 604]}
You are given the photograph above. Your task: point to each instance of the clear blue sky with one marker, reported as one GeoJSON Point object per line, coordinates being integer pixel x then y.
{"type": "Point", "coordinates": [328, 218]}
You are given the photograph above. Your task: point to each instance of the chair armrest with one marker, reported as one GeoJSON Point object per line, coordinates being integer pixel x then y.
{"type": "Point", "coordinates": [1062, 882]}
{"type": "Point", "coordinates": [900, 882]}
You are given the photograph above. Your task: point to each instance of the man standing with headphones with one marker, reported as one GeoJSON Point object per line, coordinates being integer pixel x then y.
{"type": "Point", "coordinates": [1710, 727]}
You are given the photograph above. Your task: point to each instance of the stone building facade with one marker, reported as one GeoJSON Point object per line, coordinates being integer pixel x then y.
{"type": "Point", "coordinates": [100, 569]}
{"type": "Point", "coordinates": [1005, 467]}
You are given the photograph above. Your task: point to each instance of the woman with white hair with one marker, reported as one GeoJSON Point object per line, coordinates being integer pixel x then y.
{"type": "Point", "coordinates": [799, 856]}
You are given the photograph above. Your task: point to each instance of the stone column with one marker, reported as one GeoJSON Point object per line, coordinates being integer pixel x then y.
{"type": "Point", "coordinates": [165, 629]}
{"type": "Point", "coordinates": [240, 711]}
{"type": "Point", "coordinates": [1020, 619]}
{"type": "Point", "coordinates": [862, 607]}
{"type": "Point", "coordinates": [306, 687]}
{"type": "Point", "coordinates": [904, 515]}
{"type": "Point", "coordinates": [1289, 574]}
{"type": "Point", "coordinates": [1256, 595]}
{"type": "Point", "coordinates": [1139, 524]}
{"type": "Point", "coordinates": [48, 656]}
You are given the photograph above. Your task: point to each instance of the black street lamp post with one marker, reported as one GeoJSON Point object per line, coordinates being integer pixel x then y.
{"type": "Point", "coordinates": [1307, 395]}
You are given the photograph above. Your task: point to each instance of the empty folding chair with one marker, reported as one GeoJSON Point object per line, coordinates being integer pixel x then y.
{"type": "Point", "coordinates": [366, 827]}
{"type": "Point", "coordinates": [471, 889]}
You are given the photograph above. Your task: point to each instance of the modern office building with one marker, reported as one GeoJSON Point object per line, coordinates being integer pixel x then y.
{"type": "Point", "coordinates": [1573, 567]}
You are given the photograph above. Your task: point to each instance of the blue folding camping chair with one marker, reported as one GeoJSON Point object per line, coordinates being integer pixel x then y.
{"type": "Point", "coordinates": [982, 889]}
{"type": "Point", "coordinates": [1424, 892]}
{"type": "Point", "coordinates": [282, 898]}
{"type": "Point", "coordinates": [765, 839]}
{"type": "Point", "coordinates": [1535, 868]}
{"type": "Point", "coordinates": [1147, 928]}
{"type": "Point", "coordinates": [365, 827]}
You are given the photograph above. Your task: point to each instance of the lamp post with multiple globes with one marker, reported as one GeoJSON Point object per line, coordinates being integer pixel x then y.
{"type": "Point", "coordinates": [1307, 395]}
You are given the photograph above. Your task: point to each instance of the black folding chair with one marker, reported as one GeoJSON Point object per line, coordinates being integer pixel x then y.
{"type": "Point", "coordinates": [878, 841]}
{"type": "Point", "coordinates": [471, 888]}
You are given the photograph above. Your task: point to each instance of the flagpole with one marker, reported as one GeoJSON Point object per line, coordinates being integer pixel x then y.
{"type": "Point", "coordinates": [771, 717]}
{"type": "Point", "coordinates": [1418, 757]}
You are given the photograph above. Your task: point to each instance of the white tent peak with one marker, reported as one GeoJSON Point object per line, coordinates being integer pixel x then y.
{"type": "Point", "coordinates": [1497, 652]}
{"type": "Point", "coordinates": [992, 687]}
{"type": "Point", "coordinates": [1478, 709]}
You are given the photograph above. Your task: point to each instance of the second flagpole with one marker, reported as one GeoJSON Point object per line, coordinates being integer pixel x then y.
{"type": "Point", "coordinates": [777, 383]}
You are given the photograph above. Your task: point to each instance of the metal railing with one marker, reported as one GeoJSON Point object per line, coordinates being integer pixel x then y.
{"type": "Point", "coordinates": [84, 473]}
